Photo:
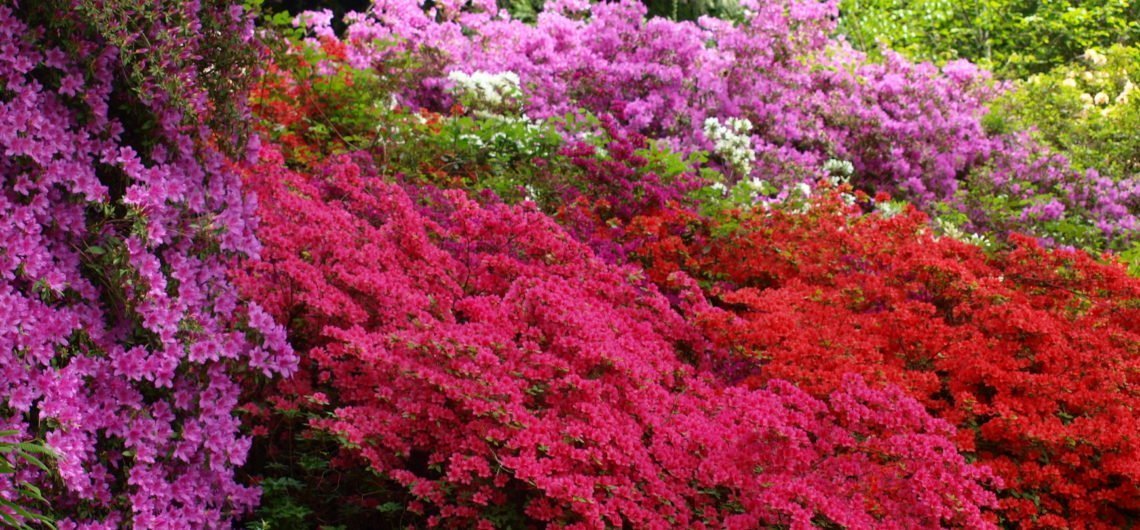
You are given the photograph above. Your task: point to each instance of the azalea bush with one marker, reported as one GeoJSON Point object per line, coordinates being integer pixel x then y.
{"type": "Point", "coordinates": [1086, 112]}
{"type": "Point", "coordinates": [914, 130]}
{"type": "Point", "coordinates": [492, 372]}
{"type": "Point", "coordinates": [122, 343]}
{"type": "Point", "coordinates": [1088, 109]}
{"type": "Point", "coordinates": [312, 104]}
{"type": "Point", "coordinates": [582, 266]}
{"type": "Point", "coordinates": [1070, 66]}
{"type": "Point", "coordinates": [876, 267]}
{"type": "Point", "coordinates": [1031, 353]}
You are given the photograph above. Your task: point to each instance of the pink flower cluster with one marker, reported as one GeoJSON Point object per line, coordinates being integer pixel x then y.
{"type": "Point", "coordinates": [481, 359]}
{"type": "Point", "coordinates": [910, 129]}
{"type": "Point", "coordinates": [120, 334]}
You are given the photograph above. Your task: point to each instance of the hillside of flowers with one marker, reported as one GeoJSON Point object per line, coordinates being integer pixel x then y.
{"type": "Point", "coordinates": [581, 265]}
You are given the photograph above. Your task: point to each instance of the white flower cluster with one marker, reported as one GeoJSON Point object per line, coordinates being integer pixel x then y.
{"type": "Point", "coordinates": [840, 172]}
{"type": "Point", "coordinates": [754, 192]}
{"type": "Point", "coordinates": [1129, 88]}
{"type": "Point", "coordinates": [752, 188]}
{"type": "Point", "coordinates": [889, 209]}
{"type": "Point", "coordinates": [839, 168]}
{"type": "Point", "coordinates": [952, 231]}
{"type": "Point", "coordinates": [755, 188]}
{"type": "Point", "coordinates": [732, 142]}
{"type": "Point", "coordinates": [1102, 98]}
{"type": "Point", "coordinates": [799, 193]}
{"type": "Point", "coordinates": [1099, 76]}
{"type": "Point", "coordinates": [1095, 57]}
{"type": "Point", "coordinates": [484, 91]}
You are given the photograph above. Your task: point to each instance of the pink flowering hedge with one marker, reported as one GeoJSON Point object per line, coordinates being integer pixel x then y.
{"type": "Point", "coordinates": [122, 343]}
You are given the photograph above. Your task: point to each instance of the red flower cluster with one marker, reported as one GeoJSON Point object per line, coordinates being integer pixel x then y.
{"type": "Point", "coordinates": [1031, 353]}
{"type": "Point", "coordinates": [480, 358]}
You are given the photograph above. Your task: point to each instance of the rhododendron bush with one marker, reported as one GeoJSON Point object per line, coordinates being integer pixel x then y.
{"type": "Point", "coordinates": [479, 357]}
{"type": "Point", "coordinates": [913, 130]}
{"type": "Point", "coordinates": [119, 333]}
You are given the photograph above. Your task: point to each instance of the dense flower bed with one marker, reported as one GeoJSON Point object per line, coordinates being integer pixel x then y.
{"type": "Point", "coordinates": [482, 359]}
{"type": "Point", "coordinates": [1031, 353]}
{"type": "Point", "coordinates": [595, 271]}
{"type": "Point", "coordinates": [803, 285]}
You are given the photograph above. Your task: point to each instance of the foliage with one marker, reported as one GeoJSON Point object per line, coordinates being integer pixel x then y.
{"type": "Point", "coordinates": [1078, 60]}
{"type": "Point", "coordinates": [1089, 110]}
{"type": "Point", "coordinates": [584, 267]}
{"type": "Point", "coordinates": [1014, 38]}
{"type": "Point", "coordinates": [17, 496]}
{"type": "Point", "coordinates": [312, 104]}
{"type": "Point", "coordinates": [631, 198]}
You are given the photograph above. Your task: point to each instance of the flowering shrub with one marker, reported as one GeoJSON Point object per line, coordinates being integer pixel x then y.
{"type": "Point", "coordinates": [600, 279]}
{"type": "Point", "coordinates": [487, 92]}
{"type": "Point", "coordinates": [911, 129]}
{"type": "Point", "coordinates": [120, 336]}
{"type": "Point", "coordinates": [804, 285]}
{"type": "Point", "coordinates": [1031, 353]}
{"type": "Point", "coordinates": [732, 143]}
{"type": "Point", "coordinates": [312, 104]}
{"type": "Point", "coordinates": [483, 362]}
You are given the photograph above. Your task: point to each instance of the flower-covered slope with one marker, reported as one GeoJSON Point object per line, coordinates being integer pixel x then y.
{"type": "Point", "coordinates": [595, 271]}
{"type": "Point", "coordinates": [490, 365]}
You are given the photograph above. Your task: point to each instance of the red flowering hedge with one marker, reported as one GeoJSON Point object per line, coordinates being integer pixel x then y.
{"type": "Point", "coordinates": [1031, 353]}
{"type": "Point", "coordinates": [482, 360]}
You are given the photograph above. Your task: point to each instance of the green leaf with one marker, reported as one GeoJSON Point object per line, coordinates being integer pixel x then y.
{"type": "Point", "coordinates": [30, 490]}
{"type": "Point", "coordinates": [8, 519]}
{"type": "Point", "coordinates": [389, 507]}
{"type": "Point", "coordinates": [36, 462]}
{"type": "Point", "coordinates": [35, 448]}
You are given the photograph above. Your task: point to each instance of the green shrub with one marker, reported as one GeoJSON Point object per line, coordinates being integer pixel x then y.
{"type": "Point", "coordinates": [1089, 110]}
{"type": "Point", "coordinates": [1012, 37]}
